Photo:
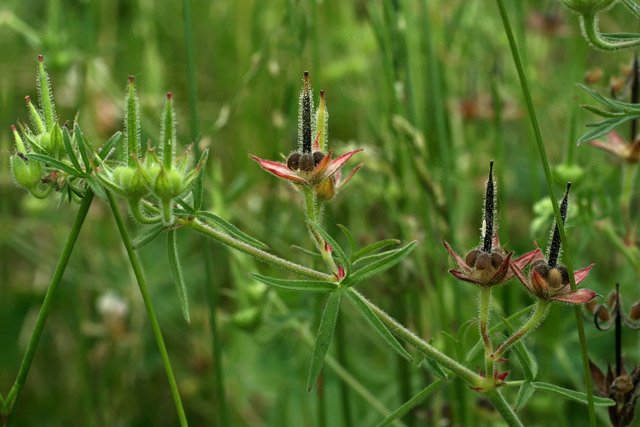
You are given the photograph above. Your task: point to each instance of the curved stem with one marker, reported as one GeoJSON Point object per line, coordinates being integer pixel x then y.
{"type": "Point", "coordinates": [259, 254]}
{"type": "Point", "coordinates": [589, 24]}
{"type": "Point", "coordinates": [537, 316]}
{"type": "Point", "coordinates": [142, 284]}
{"type": "Point", "coordinates": [402, 332]}
{"type": "Point", "coordinates": [14, 393]}
{"type": "Point", "coordinates": [485, 311]}
{"type": "Point", "coordinates": [312, 211]}
{"type": "Point", "coordinates": [503, 407]}
{"type": "Point", "coordinates": [138, 215]}
{"type": "Point", "coordinates": [554, 202]}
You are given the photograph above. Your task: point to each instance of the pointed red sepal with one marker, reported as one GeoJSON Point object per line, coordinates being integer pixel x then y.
{"type": "Point", "coordinates": [501, 272]}
{"type": "Point", "coordinates": [475, 388]}
{"type": "Point", "coordinates": [463, 265]}
{"type": "Point", "coordinates": [327, 247]}
{"type": "Point", "coordinates": [520, 276]}
{"type": "Point", "coordinates": [539, 285]}
{"type": "Point", "coordinates": [341, 272]}
{"type": "Point", "coordinates": [480, 372]}
{"type": "Point", "coordinates": [580, 275]}
{"type": "Point", "coordinates": [462, 276]}
{"type": "Point", "coordinates": [526, 259]}
{"type": "Point", "coordinates": [339, 161]}
{"type": "Point", "coordinates": [579, 296]}
{"type": "Point", "coordinates": [324, 164]}
{"type": "Point", "coordinates": [278, 169]}
{"type": "Point", "coordinates": [500, 377]}
{"type": "Point", "coordinates": [341, 184]}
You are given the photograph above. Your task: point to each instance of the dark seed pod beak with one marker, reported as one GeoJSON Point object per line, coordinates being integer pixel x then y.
{"type": "Point", "coordinates": [306, 116]}
{"type": "Point", "coordinates": [554, 249]}
{"type": "Point", "coordinates": [489, 211]}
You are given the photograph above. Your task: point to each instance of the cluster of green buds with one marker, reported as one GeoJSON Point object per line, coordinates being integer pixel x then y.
{"type": "Point", "coordinates": [158, 177]}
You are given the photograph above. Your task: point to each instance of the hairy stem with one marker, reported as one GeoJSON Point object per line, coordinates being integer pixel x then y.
{"type": "Point", "coordinates": [142, 284]}
{"type": "Point", "coordinates": [485, 311]}
{"type": "Point", "coordinates": [537, 316]}
{"type": "Point", "coordinates": [503, 407]}
{"type": "Point", "coordinates": [259, 254]}
{"type": "Point", "coordinates": [589, 24]}
{"type": "Point", "coordinates": [14, 394]}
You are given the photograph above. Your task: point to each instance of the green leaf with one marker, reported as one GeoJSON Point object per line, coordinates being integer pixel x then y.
{"type": "Point", "coordinates": [82, 146]}
{"type": "Point", "coordinates": [361, 305]}
{"type": "Point", "coordinates": [147, 235]}
{"type": "Point", "coordinates": [56, 164]}
{"type": "Point", "coordinates": [617, 105]}
{"type": "Point", "coordinates": [66, 140]}
{"type": "Point", "coordinates": [296, 285]}
{"type": "Point", "coordinates": [107, 148]}
{"type": "Point", "coordinates": [572, 394]}
{"type": "Point", "coordinates": [380, 265]}
{"type": "Point", "coordinates": [231, 229]}
{"type": "Point", "coordinates": [176, 272]}
{"type": "Point", "coordinates": [528, 363]}
{"type": "Point", "coordinates": [337, 251]}
{"type": "Point", "coordinates": [374, 247]}
{"type": "Point", "coordinates": [525, 392]}
{"type": "Point", "coordinates": [601, 112]}
{"type": "Point", "coordinates": [323, 339]}
{"type": "Point", "coordinates": [306, 251]}
{"type": "Point", "coordinates": [198, 191]}
{"type": "Point", "coordinates": [604, 127]}
{"type": "Point", "coordinates": [434, 368]}
{"type": "Point", "coordinates": [411, 403]}
{"type": "Point", "coordinates": [186, 206]}
{"type": "Point", "coordinates": [95, 186]}
{"type": "Point", "coordinates": [352, 242]}
{"type": "Point", "coordinates": [462, 331]}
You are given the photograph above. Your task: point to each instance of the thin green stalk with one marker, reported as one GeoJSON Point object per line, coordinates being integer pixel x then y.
{"type": "Point", "coordinates": [259, 254]}
{"type": "Point", "coordinates": [554, 201]}
{"type": "Point", "coordinates": [14, 394]}
{"type": "Point", "coordinates": [345, 397]}
{"type": "Point", "coordinates": [142, 284]}
{"type": "Point", "coordinates": [412, 403]}
{"type": "Point", "coordinates": [496, 398]}
{"type": "Point", "coordinates": [402, 332]}
{"type": "Point", "coordinates": [485, 312]}
{"type": "Point", "coordinates": [537, 316]}
{"type": "Point", "coordinates": [589, 24]}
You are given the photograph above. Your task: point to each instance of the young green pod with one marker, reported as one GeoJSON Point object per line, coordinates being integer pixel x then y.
{"type": "Point", "coordinates": [168, 134]}
{"type": "Point", "coordinates": [46, 95]}
{"type": "Point", "coordinates": [131, 125]}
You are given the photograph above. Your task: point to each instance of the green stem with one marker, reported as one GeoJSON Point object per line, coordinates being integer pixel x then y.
{"type": "Point", "coordinates": [589, 24]}
{"type": "Point", "coordinates": [485, 311]}
{"type": "Point", "coordinates": [138, 215]}
{"type": "Point", "coordinates": [554, 201]}
{"type": "Point", "coordinates": [312, 214]}
{"type": "Point", "coordinates": [142, 284]}
{"type": "Point", "coordinates": [14, 393]}
{"type": "Point", "coordinates": [503, 407]}
{"type": "Point", "coordinates": [537, 316]}
{"type": "Point", "coordinates": [633, 7]}
{"type": "Point", "coordinates": [402, 332]}
{"type": "Point", "coordinates": [259, 254]}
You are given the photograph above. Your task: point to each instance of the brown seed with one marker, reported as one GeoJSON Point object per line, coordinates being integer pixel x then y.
{"type": "Point", "coordinates": [306, 162]}
{"type": "Point", "coordinates": [555, 278]}
{"type": "Point", "coordinates": [564, 273]}
{"type": "Point", "coordinates": [483, 262]}
{"type": "Point", "coordinates": [471, 257]}
{"type": "Point", "coordinates": [541, 268]}
{"type": "Point", "coordinates": [634, 313]}
{"type": "Point", "coordinates": [611, 299]}
{"type": "Point", "coordinates": [603, 313]}
{"type": "Point", "coordinates": [496, 259]}
{"type": "Point", "coordinates": [293, 162]}
{"type": "Point", "coordinates": [591, 305]}
{"type": "Point", "coordinates": [317, 157]}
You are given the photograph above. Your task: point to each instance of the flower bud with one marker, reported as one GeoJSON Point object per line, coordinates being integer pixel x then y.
{"type": "Point", "coordinates": [588, 7]}
{"type": "Point", "coordinates": [46, 142]}
{"type": "Point", "coordinates": [131, 125]}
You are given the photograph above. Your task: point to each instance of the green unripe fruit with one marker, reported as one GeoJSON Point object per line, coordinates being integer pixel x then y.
{"type": "Point", "coordinates": [168, 184]}
{"type": "Point", "coordinates": [248, 319]}
{"type": "Point", "coordinates": [46, 142]}
{"type": "Point", "coordinates": [130, 181]}
{"type": "Point", "coordinates": [27, 173]}
{"type": "Point", "coordinates": [588, 7]}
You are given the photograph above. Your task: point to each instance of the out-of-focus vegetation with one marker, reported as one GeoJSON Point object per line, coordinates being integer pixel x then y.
{"type": "Point", "coordinates": [429, 90]}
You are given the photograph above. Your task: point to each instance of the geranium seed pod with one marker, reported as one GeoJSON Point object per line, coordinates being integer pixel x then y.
{"type": "Point", "coordinates": [634, 313]}
{"type": "Point", "coordinates": [317, 157]}
{"type": "Point", "coordinates": [306, 162]}
{"type": "Point", "coordinates": [555, 278]}
{"type": "Point", "coordinates": [554, 247]}
{"type": "Point", "coordinates": [591, 305]}
{"type": "Point", "coordinates": [603, 313]}
{"type": "Point", "coordinates": [541, 268]}
{"type": "Point", "coordinates": [483, 262]}
{"type": "Point", "coordinates": [305, 115]}
{"type": "Point", "coordinates": [471, 257]}
{"type": "Point", "coordinates": [293, 162]}
{"type": "Point", "coordinates": [489, 210]}
{"type": "Point", "coordinates": [131, 125]}
{"type": "Point", "coordinates": [564, 273]}
{"type": "Point", "coordinates": [46, 95]}
{"type": "Point", "coordinates": [496, 259]}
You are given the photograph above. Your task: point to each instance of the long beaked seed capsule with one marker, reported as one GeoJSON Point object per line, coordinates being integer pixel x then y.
{"type": "Point", "coordinates": [132, 125]}
{"type": "Point", "coordinates": [554, 247]}
{"type": "Point", "coordinates": [489, 211]}
{"type": "Point", "coordinates": [35, 116]}
{"type": "Point", "coordinates": [46, 96]}
{"type": "Point", "coordinates": [306, 116]}
{"type": "Point", "coordinates": [322, 125]}
{"type": "Point", "coordinates": [168, 133]}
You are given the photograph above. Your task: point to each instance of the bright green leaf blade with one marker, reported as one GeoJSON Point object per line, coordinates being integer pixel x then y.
{"type": "Point", "coordinates": [337, 251]}
{"type": "Point", "coordinates": [374, 247]}
{"type": "Point", "coordinates": [604, 127]}
{"type": "Point", "coordinates": [361, 305]}
{"type": "Point", "coordinates": [525, 392]}
{"type": "Point", "coordinates": [296, 285]}
{"type": "Point", "coordinates": [380, 265]}
{"type": "Point", "coordinates": [231, 229]}
{"type": "Point", "coordinates": [572, 394]}
{"type": "Point", "coordinates": [601, 112]}
{"type": "Point", "coordinates": [411, 403]}
{"type": "Point", "coordinates": [433, 367]}
{"type": "Point", "coordinates": [528, 363]}
{"type": "Point", "coordinates": [95, 186]}
{"type": "Point", "coordinates": [82, 146]}
{"type": "Point", "coordinates": [147, 235]}
{"type": "Point", "coordinates": [352, 242]}
{"type": "Point", "coordinates": [56, 164]}
{"type": "Point", "coordinates": [108, 148]}
{"type": "Point", "coordinates": [66, 140]}
{"type": "Point", "coordinates": [323, 339]}
{"type": "Point", "coordinates": [198, 191]}
{"type": "Point", "coordinates": [176, 272]}
{"type": "Point", "coordinates": [306, 251]}
{"type": "Point", "coordinates": [189, 210]}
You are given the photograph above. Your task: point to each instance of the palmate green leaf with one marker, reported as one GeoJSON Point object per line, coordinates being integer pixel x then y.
{"type": "Point", "coordinates": [147, 235]}
{"type": "Point", "coordinates": [95, 186]}
{"type": "Point", "coordinates": [361, 305]}
{"type": "Point", "coordinates": [56, 164]}
{"type": "Point", "coordinates": [336, 249]}
{"type": "Point", "coordinates": [360, 262]}
{"type": "Point", "coordinates": [572, 394]}
{"type": "Point", "coordinates": [525, 392]}
{"type": "Point", "coordinates": [380, 265]}
{"type": "Point", "coordinates": [231, 229]}
{"type": "Point", "coordinates": [615, 104]}
{"type": "Point", "coordinates": [374, 247]}
{"type": "Point", "coordinates": [528, 363]}
{"type": "Point", "coordinates": [176, 272]}
{"type": "Point", "coordinates": [66, 140]}
{"type": "Point", "coordinates": [296, 285]}
{"type": "Point", "coordinates": [601, 112]}
{"type": "Point", "coordinates": [323, 339]}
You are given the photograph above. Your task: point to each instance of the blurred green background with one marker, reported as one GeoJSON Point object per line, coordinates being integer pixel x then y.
{"type": "Point", "coordinates": [427, 87]}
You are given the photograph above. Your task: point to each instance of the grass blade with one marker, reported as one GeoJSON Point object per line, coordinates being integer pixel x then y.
{"type": "Point", "coordinates": [411, 403]}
